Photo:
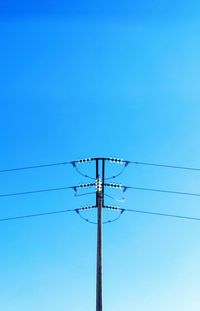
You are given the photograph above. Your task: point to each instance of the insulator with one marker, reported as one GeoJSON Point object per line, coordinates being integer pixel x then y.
{"type": "Point", "coordinates": [84, 208]}
{"type": "Point", "coordinates": [116, 160]}
{"type": "Point", "coordinates": [114, 208]}
{"type": "Point", "coordinates": [99, 185]}
{"type": "Point", "coordinates": [111, 185]}
{"type": "Point", "coordinates": [85, 160]}
{"type": "Point", "coordinates": [85, 185]}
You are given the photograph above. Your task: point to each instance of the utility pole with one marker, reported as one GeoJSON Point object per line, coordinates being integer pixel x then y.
{"type": "Point", "coordinates": [100, 185]}
{"type": "Point", "coordinates": [100, 205]}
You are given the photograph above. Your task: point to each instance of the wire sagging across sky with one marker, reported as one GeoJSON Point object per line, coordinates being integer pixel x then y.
{"type": "Point", "coordinates": [37, 215]}
{"type": "Point", "coordinates": [34, 191]}
{"type": "Point", "coordinates": [165, 165]}
{"type": "Point", "coordinates": [122, 161]}
{"type": "Point", "coordinates": [91, 185]}
{"type": "Point", "coordinates": [162, 214]}
{"type": "Point", "coordinates": [162, 191]}
{"type": "Point", "coordinates": [34, 167]}
{"type": "Point", "coordinates": [80, 209]}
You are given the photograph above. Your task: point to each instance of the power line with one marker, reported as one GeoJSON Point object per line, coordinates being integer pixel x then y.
{"type": "Point", "coordinates": [36, 215]}
{"type": "Point", "coordinates": [34, 191]}
{"type": "Point", "coordinates": [108, 159]}
{"type": "Point", "coordinates": [100, 195]}
{"type": "Point", "coordinates": [162, 191]}
{"type": "Point", "coordinates": [165, 165]}
{"type": "Point", "coordinates": [33, 167]}
{"type": "Point", "coordinates": [162, 214]}
{"type": "Point", "coordinates": [90, 185]}
{"type": "Point", "coordinates": [75, 210]}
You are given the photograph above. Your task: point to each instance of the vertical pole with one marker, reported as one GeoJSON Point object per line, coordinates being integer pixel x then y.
{"type": "Point", "coordinates": [99, 204]}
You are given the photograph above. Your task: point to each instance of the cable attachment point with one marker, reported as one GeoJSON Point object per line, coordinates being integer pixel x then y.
{"type": "Point", "coordinates": [75, 189]}
{"type": "Point", "coordinates": [126, 163]}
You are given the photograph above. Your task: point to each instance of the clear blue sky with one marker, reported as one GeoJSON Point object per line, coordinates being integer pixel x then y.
{"type": "Point", "coordinates": [99, 78]}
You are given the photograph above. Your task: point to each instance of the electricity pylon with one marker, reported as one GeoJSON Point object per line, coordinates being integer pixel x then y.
{"type": "Point", "coordinates": [99, 204]}
{"type": "Point", "coordinates": [100, 185]}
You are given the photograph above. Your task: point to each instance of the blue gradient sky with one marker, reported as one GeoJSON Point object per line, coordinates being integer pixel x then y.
{"type": "Point", "coordinates": [92, 79]}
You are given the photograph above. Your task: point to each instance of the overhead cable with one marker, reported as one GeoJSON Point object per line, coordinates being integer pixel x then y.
{"type": "Point", "coordinates": [36, 215]}
{"type": "Point", "coordinates": [165, 165]}
{"type": "Point", "coordinates": [91, 185]}
{"type": "Point", "coordinates": [34, 191]}
{"type": "Point", "coordinates": [33, 167]}
{"type": "Point", "coordinates": [162, 191]}
{"type": "Point", "coordinates": [78, 210]}
{"type": "Point", "coordinates": [120, 161]}
{"type": "Point", "coordinates": [161, 214]}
